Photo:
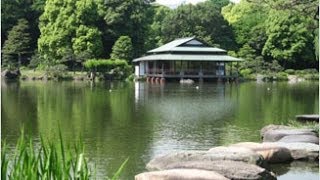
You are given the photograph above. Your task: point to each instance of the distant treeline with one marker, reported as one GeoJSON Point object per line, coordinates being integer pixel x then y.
{"type": "Point", "coordinates": [44, 33]}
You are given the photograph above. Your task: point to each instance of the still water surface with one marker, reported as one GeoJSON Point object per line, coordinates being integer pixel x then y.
{"type": "Point", "coordinates": [140, 120]}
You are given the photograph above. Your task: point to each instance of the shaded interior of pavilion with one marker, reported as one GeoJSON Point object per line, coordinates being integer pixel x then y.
{"type": "Point", "coordinates": [190, 69]}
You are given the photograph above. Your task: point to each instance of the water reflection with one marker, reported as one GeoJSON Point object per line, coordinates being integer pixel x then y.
{"type": "Point", "coordinates": [140, 120]}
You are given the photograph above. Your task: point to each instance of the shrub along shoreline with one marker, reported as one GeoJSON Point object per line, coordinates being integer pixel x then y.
{"type": "Point", "coordinates": [286, 75]}
{"type": "Point", "coordinates": [92, 70]}
{"type": "Point", "coordinates": [106, 70]}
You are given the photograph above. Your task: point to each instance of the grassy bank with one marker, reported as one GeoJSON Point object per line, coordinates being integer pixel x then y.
{"type": "Point", "coordinates": [27, 74]}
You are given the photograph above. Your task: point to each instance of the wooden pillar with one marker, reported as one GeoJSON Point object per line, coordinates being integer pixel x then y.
{"type": "Point", "coordinates": [200, 73]}
{"type": "Point", "coordinates": [188, 65]}
{"type": "Point", "coordinates": [162, 80]}
{"type": "Point", "coordinates": [145, 67]}
{"type": "Point", "coordinates": [181, 68]}
{"type": "Point", "coordinates": [162, 68]}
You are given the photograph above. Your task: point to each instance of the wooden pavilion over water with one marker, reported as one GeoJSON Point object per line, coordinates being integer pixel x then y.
{"type": "Point", "coordinates": [186, 58]}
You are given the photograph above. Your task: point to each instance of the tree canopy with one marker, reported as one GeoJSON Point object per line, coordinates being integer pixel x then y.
{"type": "Point", "coordinates": [72, 31]}
{"type": "Point", "coordinates": [17, 44]}
{"type": "Point", "coordinates": [122, 49]}
{"type": "Point", "coordinates": [281, 30]}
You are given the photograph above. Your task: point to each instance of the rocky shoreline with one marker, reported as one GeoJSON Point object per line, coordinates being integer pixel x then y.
{"type": "Point", "coordinates": [245, 160]}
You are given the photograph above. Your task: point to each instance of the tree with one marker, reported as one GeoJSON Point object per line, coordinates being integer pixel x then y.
{"type": "Point", "coordinates": [69, 26]}
{"type": "Point", "coordinates": [17, 44]}
{"type": "Point", "coordinates": [203, 20]}
{"type": "Point", "coordinates": [247, 53]}
{"type": "Point", "coordinates": [288, 37]}
{"type": "Point", "coordinates": [123, 17]}
{"type": "Point", "coordinates": [122, 49]}
{"type": "Point", "coordinates": [11, 12]}
{"type": "Point", "coordinates": [281, 30]}
{"type": "Point", "coordinates": [87, 40]}
{"type": "Point", "coordinates": [244, 17]}
{"type": "Point", "coordinates": [157, 15]}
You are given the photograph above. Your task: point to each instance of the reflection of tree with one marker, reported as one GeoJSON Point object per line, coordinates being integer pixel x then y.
{"type": "Point", "coordinates": [18, 108]}
{"type": "Point", "coordinates": [107, 121]}
{"type": "Point", "coordinates": [262, 104]}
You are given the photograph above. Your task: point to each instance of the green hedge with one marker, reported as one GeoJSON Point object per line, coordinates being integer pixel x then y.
{"type": "Point", "coordinates": [105, 64]}
{"type": "Point", "coordinates": [109, 68]}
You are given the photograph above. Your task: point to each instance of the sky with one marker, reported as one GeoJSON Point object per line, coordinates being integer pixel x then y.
{"type": "Point", "coordinates": [176, 3]}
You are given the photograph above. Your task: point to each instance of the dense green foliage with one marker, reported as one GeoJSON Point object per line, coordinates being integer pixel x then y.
{"type": "Point", "coordinates": [70, 32]}
{"type": "Point", "coordinates": [100, 64]}
{"type": "Point", "coordinates": [17, 45]}
{"type": "Point", "coordinates": [67, 28]}
{"type": "Point", "coordinates": [203, 20]}
{"type": "Point", "coordinates": [275, 30]}
{"type": "Point", "coordinates": [114, 68]}
{"type": "Point", "coordinates": [122, 49]}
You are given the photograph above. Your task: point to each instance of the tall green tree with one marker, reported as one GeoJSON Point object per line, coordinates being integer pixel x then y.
{"type": "Point", "coordinates": [123, 49]}
{"type": "Point", "coordinates": [154, 35]}
{"type": "Point", "coordinates": [279, 30]}
{"type": "Point", "coordinates": [13, 10]}
{"type": "Point", "coordinates": [245, 17]}
{"type": "Point", "coordinates": [69, 26]}
{"type": "Point", "coordinates": [288, 38]}
{"type": "Point", "coordinates": [123, 17]}
{"type": "Point", "coordinates": [87, 40]}
{"type": "Point", "coordinates": [203, 20]}
{"type": "Point", "coordinates": [17, 45]}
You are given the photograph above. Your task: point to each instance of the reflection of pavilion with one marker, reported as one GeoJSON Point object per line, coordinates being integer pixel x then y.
{"type": "Point", "coordinates": [185, 117]}
{"type": "Point", "coordinates": [186, 58]}
{"type": "Point", "coordinates": [170, 91]}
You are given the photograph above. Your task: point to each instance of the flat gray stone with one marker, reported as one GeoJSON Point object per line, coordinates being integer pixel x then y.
{"type": "Point", "coordinates": [272, 127]}
{"type": "Point", "coordinates": [236, 170]}
{"type": "Point", "coordinates": [300, 151]}
{"type": "Point", "coordinates": [276, 135]}
{"type": "Point", "coordinates": [180, 174]}
{"type": "Point", "coordinates": [300, 138]}
{"type": "Point", "coordinates": [272, 153]}
{"type": "Point", "coordinates": [220, 153]}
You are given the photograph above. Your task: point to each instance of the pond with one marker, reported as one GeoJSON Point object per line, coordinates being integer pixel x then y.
{"type": "Point", "coordinates": [140, 120]}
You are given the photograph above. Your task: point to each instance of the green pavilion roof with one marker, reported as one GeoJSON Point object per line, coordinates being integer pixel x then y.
{"type": "Point", "coordinates": [187, 49]}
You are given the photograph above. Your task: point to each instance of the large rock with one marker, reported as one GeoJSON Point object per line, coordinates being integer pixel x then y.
{"type": "Point", "coordinates": [221, 153]}
{"type": "Point", "coordinates": [276, 135]}
{"type": "Point", "coordinates": [272, 153]}
{"type": "Point", "coordinates": [300, 151]}
{"type": "Point", "coordinates": [230, 169]}
{"type": "Point", "coordinates": [238, 154]}
{"type": "Point", "coordinates": [300, 138]}
{"type": "Point", "coordinates": [180, 174]}
{"type": "Point", "coordinates": [272, 127]}
{"type": "Point", "coordinates": [7, 74]}
{"type": "Point", "coordinates": [308, 117]}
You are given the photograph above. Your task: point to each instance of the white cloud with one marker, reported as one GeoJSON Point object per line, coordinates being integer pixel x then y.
{"type": "Point", "coordinates": [176, 3]}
